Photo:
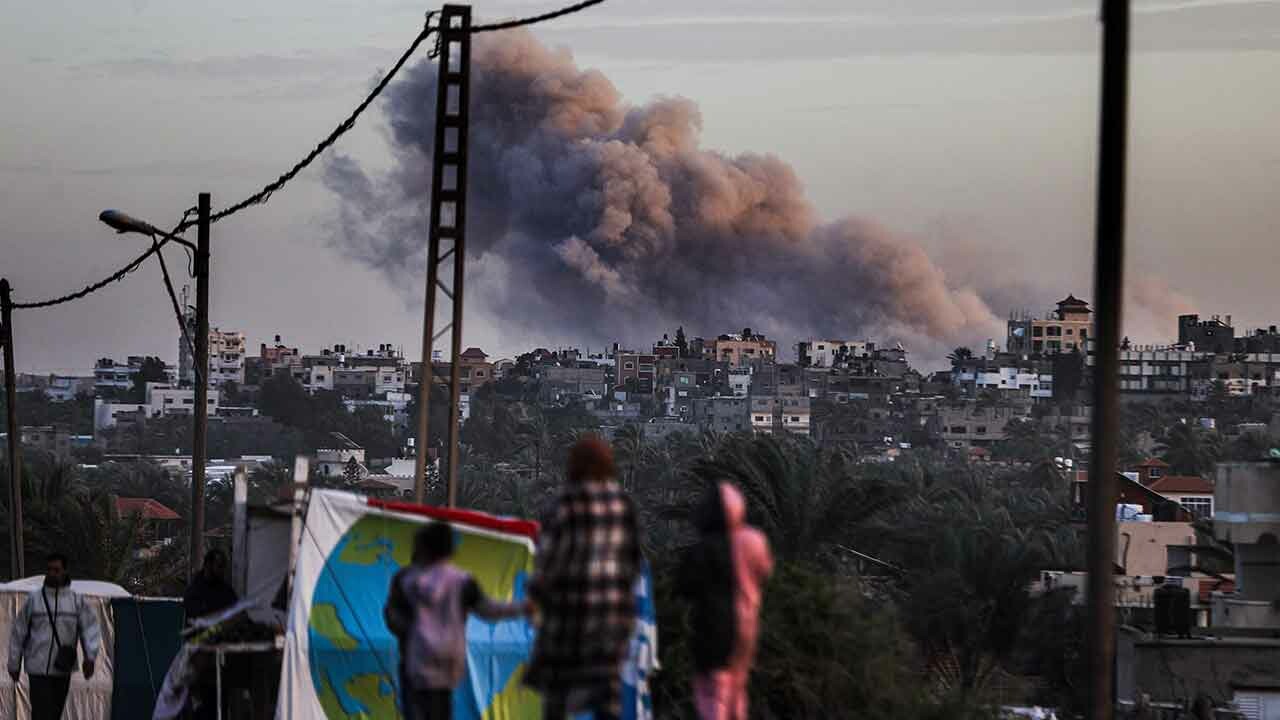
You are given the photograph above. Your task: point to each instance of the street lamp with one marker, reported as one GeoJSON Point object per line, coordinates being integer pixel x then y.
{"type": "Point", "coordinates": [125, 223]}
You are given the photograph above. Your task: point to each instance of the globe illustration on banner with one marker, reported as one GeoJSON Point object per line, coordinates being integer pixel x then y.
{"type": "Point", "coordinates": [354, 658]}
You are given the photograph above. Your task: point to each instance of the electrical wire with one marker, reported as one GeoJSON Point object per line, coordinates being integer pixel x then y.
{"type": "Point", "coordinates": [509, 24]}
{"type": "Point", "coordinates": [265, 193]}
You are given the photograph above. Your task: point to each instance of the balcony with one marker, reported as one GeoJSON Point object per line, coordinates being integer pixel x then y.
{"type": "Point", "coordinates": [1230, 611]}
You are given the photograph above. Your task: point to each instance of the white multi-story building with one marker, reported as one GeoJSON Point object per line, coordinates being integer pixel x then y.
{"type": "Point", "coordinates": [162, 400]}
{"type": "Point", "coordinates": [821, 353]}
{"type": "Point", "coordinates": [226, 356]}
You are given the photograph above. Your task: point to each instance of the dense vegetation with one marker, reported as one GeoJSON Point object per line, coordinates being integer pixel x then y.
{"type": "Point", "coordinates": [903, 589]}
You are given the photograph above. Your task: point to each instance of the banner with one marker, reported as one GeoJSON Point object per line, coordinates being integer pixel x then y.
{"type": "Point", "coordinates": [341, 662]}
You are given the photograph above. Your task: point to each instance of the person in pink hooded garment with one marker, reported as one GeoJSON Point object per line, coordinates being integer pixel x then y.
{"type": "Point", "coordinates": [723, 576]}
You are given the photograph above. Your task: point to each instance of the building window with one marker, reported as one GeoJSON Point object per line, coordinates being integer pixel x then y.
{"type": "Point", "coordinates": [1199, 506]}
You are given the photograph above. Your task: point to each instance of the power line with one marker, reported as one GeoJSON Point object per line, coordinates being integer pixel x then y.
{"type": "Point", "coordinates": [509, 24]}
{"type": "Point", "coordinates": [90, 289]}
{"type": "Point", "coordinates": [265, 193]}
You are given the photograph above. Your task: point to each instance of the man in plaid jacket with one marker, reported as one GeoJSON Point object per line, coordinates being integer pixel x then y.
{"type": "Point", "coordinates": [584, 588]}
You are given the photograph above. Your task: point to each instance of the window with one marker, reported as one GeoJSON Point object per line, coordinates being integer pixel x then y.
{"type": "Point", "coordinates": [1199, 506]}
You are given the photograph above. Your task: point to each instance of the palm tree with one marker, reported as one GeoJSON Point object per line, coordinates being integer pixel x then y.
{"type": "Point", "coordinates": [807, 499]}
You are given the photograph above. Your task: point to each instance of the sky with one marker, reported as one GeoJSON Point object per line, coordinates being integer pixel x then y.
{"type": "Point", "coordinates": [967, 125]}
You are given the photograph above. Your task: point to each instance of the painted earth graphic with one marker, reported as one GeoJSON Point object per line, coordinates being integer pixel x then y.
{"type": "Point", "coordinates": [352, 655]}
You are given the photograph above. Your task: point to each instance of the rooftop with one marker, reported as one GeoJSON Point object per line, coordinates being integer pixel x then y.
{"type": "Point", "coordinates": [146, 507]}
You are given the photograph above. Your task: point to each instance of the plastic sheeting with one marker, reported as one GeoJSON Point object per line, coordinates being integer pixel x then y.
{"type": "Point", "coordinates": [88, 699]}
{"type": "Point", "coordinates": [147, 639]}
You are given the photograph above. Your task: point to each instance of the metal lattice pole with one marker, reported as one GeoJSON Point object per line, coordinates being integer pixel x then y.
{"type": "Point", "coordinates": [447, 237]}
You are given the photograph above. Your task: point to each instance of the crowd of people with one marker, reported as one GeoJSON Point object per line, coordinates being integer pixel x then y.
{"type": "Point", "coordinates": [581, 598]}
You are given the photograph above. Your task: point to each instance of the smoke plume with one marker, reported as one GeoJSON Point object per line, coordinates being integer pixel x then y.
{"type": "Point", "coordinates": [608, 221]}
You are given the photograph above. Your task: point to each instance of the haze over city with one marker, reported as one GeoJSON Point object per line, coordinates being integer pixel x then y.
{"type": "Point", "coordinates": [966, 130]}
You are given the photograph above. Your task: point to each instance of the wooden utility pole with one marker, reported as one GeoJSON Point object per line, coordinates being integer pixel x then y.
{"type": "Point", "coordinates": [1108, 296]}
{"type": "Point", "coordinates": [16, 558]}
{"type": "Point", "coordinates": [448, 220]}
{"type": "Point", "coordinates": [201, 373]}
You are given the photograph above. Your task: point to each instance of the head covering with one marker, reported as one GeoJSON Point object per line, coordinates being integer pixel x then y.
{"type": "Point", "coordinates": [590, 459]}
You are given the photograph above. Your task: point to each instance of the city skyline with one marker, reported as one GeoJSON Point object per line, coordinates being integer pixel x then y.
{"type": "Point", "coordinates": [968, 129]}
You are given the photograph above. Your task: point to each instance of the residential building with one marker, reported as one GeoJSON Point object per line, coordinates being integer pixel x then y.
{"type": "Point", "coordinates": [1190, 491]}
{"type": "Point", "coordinates": [781, 413]}
{"type": "Point", "coordinates": [111, 376]}
{"type": "Point", "coordinates": [972, 424]}
{"type": "Point", "coordinates": [55, 440]}
{"type": "Point", "coordinates": [60, 388]}
{"type": "Point", "coordinates": [564, 384]}
{"type": "Point", "coordinates": [1003, 373]}
{"type": "Point", "coordinates": [226, 356]}
{"type": "Point", "coordinates": [1247, 498]}
{"type": "Point", "coordinates": [477, 371]}
{"type": "Point", "coordinates": [1161, 370]}
{"type": "Point", "coordinates": [723, 414]}
{"type": "Point", "coordinates": [334, 457]}
{"type": "Point", "coordinates": [161, 400]}
{"type": "Point", "coordinates": [636, 372]}
{"type": "Point", "coordinates": [1214, 335]}
{"type": "Point", "coordinates": [738, 350]}
{"type": "Point", "coordinates": [158, 524]}
{"type": "Point", "coordinates": [278, 354]}
{"type": "Point", "coordinates": [1063, 330]}
{"type": "Point", "coordinates": [819, 353]}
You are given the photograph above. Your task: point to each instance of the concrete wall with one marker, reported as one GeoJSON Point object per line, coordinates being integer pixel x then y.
{"type": "Point", "coordinates": [1174, 669]}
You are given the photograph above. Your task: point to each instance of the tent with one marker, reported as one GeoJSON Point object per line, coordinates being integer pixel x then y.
{"type": "Point", "coordinates": [341, 662]}
{"type": "Point", "coordinates": [136, 635]}
{"type": "Point", "coordinates": [89, 699]}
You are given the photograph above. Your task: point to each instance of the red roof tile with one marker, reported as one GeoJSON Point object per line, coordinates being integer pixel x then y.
{"type": "Point", "coordinates": [1182, 484]}
{"type": "Point", "coordinates": [146, 507]}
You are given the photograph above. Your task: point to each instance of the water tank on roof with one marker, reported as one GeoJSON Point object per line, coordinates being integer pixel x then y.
{"type": "Point", "coordinates": [1173, 610]}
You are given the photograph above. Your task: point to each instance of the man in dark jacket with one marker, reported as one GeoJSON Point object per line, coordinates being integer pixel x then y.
{"type": "Point", "coordinates": [209, 591]}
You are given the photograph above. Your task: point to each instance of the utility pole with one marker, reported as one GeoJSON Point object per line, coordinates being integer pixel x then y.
{"type": "Point", "coordinates": [448, 220]}
{"type": "Point", "coordinates": [201, 373]}
{"type": "Point", "coordinates": [1108, 296]}
{"type": "Point", "coordinates": [16, 559]}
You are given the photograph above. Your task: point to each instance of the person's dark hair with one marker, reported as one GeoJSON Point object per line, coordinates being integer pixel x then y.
{"type": "Point", "coordinates": [709, 578]}
{"type": "Point", "coordinates": [590, 459]}
{"type": "Point", "coordinates": [57, 557]}
{"type": "Point", "coordinates": [433, 542]}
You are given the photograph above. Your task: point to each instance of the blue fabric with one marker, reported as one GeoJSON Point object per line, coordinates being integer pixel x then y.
{"type": "Point", "coordinates": [148, 636]}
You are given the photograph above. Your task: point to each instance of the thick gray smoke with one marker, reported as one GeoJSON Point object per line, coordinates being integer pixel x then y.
{"type": "Point", "coordinates": [611, 223]}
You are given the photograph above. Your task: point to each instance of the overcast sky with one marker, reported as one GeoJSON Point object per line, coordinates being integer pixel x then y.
{"type": "Point", "coordinates": [968, 124]}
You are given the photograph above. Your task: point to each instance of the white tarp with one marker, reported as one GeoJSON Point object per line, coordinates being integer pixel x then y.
{"type": "Point", "coordinates": [88, 699]}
